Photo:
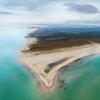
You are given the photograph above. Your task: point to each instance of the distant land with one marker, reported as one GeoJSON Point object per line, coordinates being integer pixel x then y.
{"type": "Point", "coordinates": [53, 36]}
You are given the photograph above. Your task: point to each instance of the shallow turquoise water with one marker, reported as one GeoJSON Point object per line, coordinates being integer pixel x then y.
{"type": "Point", "coordinates": [81, 81]}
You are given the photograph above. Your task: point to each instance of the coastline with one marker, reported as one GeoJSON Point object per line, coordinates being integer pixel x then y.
{"type": "Point", "coordinates": [40, 83]}
{"type": "Point", "coordinates": [49, 81]}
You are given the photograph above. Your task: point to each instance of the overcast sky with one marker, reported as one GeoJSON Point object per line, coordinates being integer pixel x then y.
{"type": "Point", "coordinates": [50, 11]}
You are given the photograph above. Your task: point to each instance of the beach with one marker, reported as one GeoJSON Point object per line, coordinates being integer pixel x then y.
{"type": "Point", "coordinates": [38, 63]}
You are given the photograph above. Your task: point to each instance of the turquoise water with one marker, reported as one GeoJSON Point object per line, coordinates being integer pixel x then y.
{"type": "Point", "coordinates": [80, 81]}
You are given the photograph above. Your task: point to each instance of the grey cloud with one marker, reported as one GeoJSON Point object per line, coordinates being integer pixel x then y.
{"type": "Point", "coordinates": [28, 4]}
{"type": "Point", "coordinates": [5, 13]}
{"type": "Point", "coordinates": [87, 9]}
{"type": "Point", "coordinates": [33, 4]}
{"type": "Point", "coordinates": [39, 5]}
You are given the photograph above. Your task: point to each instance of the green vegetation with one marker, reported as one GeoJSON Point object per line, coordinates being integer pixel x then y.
{"type": "Point", "coordinates": [62, 43]}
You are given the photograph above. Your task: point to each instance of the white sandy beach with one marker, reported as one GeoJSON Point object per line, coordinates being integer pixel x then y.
{"type": "Point", "coordinates": [38, 63]}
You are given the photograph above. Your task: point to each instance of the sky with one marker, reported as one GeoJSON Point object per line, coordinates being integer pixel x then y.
{"type": "Point", "coordinates": [50, 11]}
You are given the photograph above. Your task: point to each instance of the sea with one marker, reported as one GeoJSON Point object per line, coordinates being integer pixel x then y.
{"type": "Point", "coordinates": [80, 81]}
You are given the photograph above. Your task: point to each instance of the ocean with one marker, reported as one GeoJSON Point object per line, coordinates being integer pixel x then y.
{"type": "Point", "coordinates": [80, 81]}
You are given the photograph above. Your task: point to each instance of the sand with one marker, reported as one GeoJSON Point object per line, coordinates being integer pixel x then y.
{"type": "Point", "coordinates": [38, 63]}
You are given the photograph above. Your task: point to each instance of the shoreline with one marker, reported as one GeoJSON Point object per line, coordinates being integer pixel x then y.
{"type": "Point", "coordinates": [41, 84]}
{"type": "Point", "coordinates": [49, 81]}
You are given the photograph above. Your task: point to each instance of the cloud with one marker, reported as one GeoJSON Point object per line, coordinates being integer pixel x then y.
{"type": "Point", "coordinates": [47, 11]}
{"type": "Point", "coordinates": [28, 4]}
{"type": "Point", "coordinates": [5, 13]}
{"type": "Point", "coordinates": [79, 8]}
